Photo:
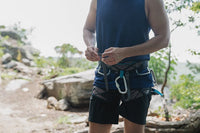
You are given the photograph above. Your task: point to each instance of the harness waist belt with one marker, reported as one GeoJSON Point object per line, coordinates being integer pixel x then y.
{"type": "Point", "coordinates": [123, 70]}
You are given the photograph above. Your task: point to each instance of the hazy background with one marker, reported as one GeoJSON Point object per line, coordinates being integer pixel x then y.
{"type": "Point", "coordinates": [61, 21]}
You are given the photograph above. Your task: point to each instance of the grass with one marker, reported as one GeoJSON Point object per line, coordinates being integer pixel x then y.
{"type": "Point", "coordinates": [6, 76]}
{"type": "Point", "coordinates": [64, 120]}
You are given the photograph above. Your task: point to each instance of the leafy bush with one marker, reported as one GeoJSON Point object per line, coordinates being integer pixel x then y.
{"type": "Point", "coordinates": [186, 92]}
{"type": "Point", "coordinates": [1, 52]}
{"type": "Point", "coordinates": [44, 62]}
{"type": "Point", "coordinates": [159, 62]}
{"type": "Point", "coordinates": [82, 63]}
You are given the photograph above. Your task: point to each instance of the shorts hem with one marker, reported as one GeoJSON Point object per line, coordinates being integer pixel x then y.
{"type": "Point", "coordinates": [99, 122]}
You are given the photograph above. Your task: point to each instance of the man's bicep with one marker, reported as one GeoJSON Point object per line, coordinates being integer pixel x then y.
{"type": "Point", "coordinates": [90, 23]}
{"type": "Point", "coordinates": [158, 17]}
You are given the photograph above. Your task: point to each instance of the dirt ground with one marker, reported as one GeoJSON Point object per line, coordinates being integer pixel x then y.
{"type": "Point", "coordinates": [21, 112]}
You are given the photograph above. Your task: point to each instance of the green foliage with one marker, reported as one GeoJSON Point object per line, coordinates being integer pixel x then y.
{"type": "Point", "coordinates": [6, 76]}
{"type": "Point", "coordinates": [65, 51]}
{"type": "Point", "coordinates": [1, 51]}
{"type": "Point", "coordinates": [159, 62]}
{"type": "Point", "coordinates": [2, 26]}
{"type": "Point", "coordinates": [178, 6]}
{"type": "Point", "coordinates": [71, 70]}
{"type": "Point", "coordinates": [83, 63]}
{"type": "Point", "coordinates": [22, 32]}
{"type": "Point", "coordinates": [64, 120]}
{"type": "Point", "coordinates": [43, 62]}
{"type": "Point", "coordinates": [195, 7]}
{"type": "Point", "coordinates": [195, 68]}
{"type": "Point", "coordinates": [186, 92]}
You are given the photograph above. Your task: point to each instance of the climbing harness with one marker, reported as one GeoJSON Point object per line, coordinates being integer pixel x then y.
{"type": "Point", "coordinates": [123, 70]}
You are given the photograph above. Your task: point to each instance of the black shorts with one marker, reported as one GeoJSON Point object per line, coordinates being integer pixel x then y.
{"type": "Point", "coordinates": [106, 106]}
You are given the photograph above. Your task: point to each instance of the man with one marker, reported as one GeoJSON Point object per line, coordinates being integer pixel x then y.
{"type": "Point", "coordinates": [123, 82]}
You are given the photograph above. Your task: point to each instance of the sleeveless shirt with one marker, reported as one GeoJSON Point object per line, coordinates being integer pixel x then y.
{"type": "Point", "coordinates": [122, 23]}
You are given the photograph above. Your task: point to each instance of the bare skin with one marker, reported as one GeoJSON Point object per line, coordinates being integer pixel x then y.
{"type": "Point", "coordinates": [160, 27]}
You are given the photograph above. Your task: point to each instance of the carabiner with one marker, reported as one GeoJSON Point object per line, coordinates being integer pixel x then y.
{"type": "Point", "coordinates": [118, 87]}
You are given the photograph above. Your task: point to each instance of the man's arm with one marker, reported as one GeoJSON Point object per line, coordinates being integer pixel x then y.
{"type": "Point", "coordinates": [159, 22]}
{"type": "Point", "coordinates": [89, 33]}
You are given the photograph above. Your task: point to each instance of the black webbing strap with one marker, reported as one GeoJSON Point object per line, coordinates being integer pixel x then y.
{"type": "Point", "coordinates": [103, 65]}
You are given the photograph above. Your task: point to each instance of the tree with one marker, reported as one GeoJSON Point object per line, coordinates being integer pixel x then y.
{"type": "Point", "coordinates": [66, 51]}
{"type": "Point", "coordinates": [174, 7]}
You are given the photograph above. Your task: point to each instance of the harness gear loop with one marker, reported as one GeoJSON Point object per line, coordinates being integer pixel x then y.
{"type": "Point", "coordinates": [141, 74]}
{"type": "Point", "coordinates": [98, 70]}
{"type": "Point", "coordinates": [154, 90]}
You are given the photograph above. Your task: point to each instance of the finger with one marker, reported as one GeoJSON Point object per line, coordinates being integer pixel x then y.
{"type": "Point", "coordinates": [108, 59]}
{"type": "Point", "coordinates": [106, 54]}
{"type": "Point", "coordinates": [109, 49]}
{"type": "Point", "coordinates": [96, 50]}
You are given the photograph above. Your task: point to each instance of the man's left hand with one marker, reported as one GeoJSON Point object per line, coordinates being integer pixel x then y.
{"type": "Point", "coordinates": [113, 55]}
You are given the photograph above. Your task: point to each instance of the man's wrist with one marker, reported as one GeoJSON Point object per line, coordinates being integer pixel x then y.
{"type": "Point", "coordinates": [90, 46]}
{"type": "Point", "coordinates": [125, 52]}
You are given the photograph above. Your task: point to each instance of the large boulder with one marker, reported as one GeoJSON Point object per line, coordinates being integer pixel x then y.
{"type": "Point", "coordinates": [14, 51]}
{"type": "Point", "coordinates": [76, 88]}
{"type": "Point", "coordinates": [26, 52]}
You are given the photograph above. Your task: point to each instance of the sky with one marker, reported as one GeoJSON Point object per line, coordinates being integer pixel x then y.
{"type": "Point", "coordinates": [61, 21]}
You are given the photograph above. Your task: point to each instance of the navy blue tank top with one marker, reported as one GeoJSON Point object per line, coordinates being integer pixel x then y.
{"type": "Point", "coordinates": [121, 23]}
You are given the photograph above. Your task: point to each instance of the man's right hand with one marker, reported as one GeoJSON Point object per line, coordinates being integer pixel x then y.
{"type": "Point", "coordinates": [91, 53]}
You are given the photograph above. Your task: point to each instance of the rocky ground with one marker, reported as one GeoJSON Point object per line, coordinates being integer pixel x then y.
{"type": "Point", "coordinates": [21, 112]}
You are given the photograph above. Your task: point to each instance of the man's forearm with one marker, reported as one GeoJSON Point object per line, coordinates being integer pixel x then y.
{"type": "Point", "coordinates": [89, 38]}
{"type": "Point", "coordinates": [156, 43]}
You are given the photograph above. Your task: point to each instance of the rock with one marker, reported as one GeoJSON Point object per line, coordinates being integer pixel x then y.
{"type": "Point", "coordinates": [9, 65]}
{"type": "Point", "coordinates": [33, 64]}
{"type": "Point", "coordinates": [78, 119]}
{"type": "Point", "coordinates": [75, 88]}
{"type": "Point", "coordinates": [31, 50]}
{"type": "Point", "coordinates": [62, 105]}
{"type": "Point", "coordinates": [25, 89]}
{"type": "Point", "coordinates": [15, 84]}
{"type": "Point", "coordinates": [21, 76]}
{"type": "Point", "coordinates": [18, 53]}
{"type": "Point", "coordinates": [23, 68]}
{"type": "Point", "coordinates": [51, 103]}
{"type": "Point", "coordinates": [15, 52]}
{"type": "Point", "coordinates": [26, 62]}
{"type": "Point", "coordinates": [42, 94]}
{"type": "Point", "coordinates": [6, 58]}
